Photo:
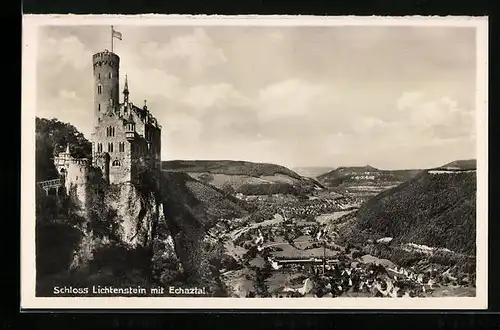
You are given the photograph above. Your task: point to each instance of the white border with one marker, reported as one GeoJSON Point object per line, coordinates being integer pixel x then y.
{"type": "Point", "coordinates": [31, 23]}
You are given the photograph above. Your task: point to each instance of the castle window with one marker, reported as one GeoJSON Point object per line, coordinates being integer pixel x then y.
{"type": "Point", "coordinates": [109, 75]}
{"type": "Point", "coordinates": [99, 76]}
{"type": "Point", "coordinates": [116, 162]}
{"type": "Point", "coordinates": [110, 131]}
{"type": "Point", "coordinates": [99, 147]}
{"type": "Point", "coordinates": [121, 147]}
{"type": "Point", "coordinates": [110, 147]}
{"type": "Point", "coordinates": [99, 89]}
{"type": "Point", "coordinates": [99, 107]}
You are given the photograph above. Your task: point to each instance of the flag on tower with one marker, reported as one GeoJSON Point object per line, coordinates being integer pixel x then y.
{"type": "Point", "coordinates": [116, 34]}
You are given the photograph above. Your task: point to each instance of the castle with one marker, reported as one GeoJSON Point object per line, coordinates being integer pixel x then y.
{"type": "Point", "coordinates": [126, 139]}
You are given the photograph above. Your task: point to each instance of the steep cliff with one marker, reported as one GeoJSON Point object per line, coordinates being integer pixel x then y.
{"type": "Point", "coordinates": [118, 215]}
{"type": "Point", "coordinates": [191, 207]}
{"type": "Point", "coordinates": [141, 235]}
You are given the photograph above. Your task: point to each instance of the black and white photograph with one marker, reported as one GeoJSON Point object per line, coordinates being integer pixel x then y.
{"type": "Point", "coordinates": [209, 162]}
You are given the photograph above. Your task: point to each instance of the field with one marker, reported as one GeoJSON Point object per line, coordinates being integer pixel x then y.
{"type": "Point", "coordinates": [330, 217]}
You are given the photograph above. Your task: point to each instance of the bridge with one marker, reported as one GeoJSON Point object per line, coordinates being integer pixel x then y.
{"type": "Point", "coordinates": [306, 261]}
{"type": "Point", "coordinates": [50, 184]}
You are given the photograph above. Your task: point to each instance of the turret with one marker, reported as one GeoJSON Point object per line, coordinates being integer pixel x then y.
{"type": "Point", "coordinates": [130, 128]}
{"type": "Point", "coordinates": [106, 82]}
{"type": "Point", "coordinates": [125, 92]}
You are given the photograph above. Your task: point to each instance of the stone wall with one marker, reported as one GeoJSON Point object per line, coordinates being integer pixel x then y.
{"type": "Point", "coordinates": [120, 165]}
{"type": "Point", "coordinates": [76, 182]}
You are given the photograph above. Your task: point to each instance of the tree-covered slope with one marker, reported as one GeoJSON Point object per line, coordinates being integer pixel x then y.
{"type": "Point", "coordinates": [435, 208]}
{"type": "Point", "coordinates": [52, 137]}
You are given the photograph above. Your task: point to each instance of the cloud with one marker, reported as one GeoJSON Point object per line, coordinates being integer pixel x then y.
{"type": "Point", "coordinates": [66, 51]}
{"type": "Point", "coordinates": [149, 82]}
{"type": "Point", "coordinates": [180, 133]}
{"type": "Point", "coordinates": [293, 97]}
{"type": "Point", "coordinates": [196, 51]}
{"type": "Point", "coordinates": [409, 99]}
{"type": "Point", "coordinates": [209, 96]}
{"type": "Point", "coordinates": [439, 118]}
{"type": "Point", "coordinates": [418, 123]}
{"type": "Point", "coordinates": [68, 95]}
{"type": "Point", "coordinates": [368, 124]}
{"type": "Point", "coordinates": [68, 106]}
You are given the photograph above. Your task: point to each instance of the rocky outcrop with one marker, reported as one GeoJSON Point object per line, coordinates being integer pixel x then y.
{"type": "Point", "coordinates": [191, 207]}
{"type": "Point", "coordinates": [118, 215]}
{"type": "Point", "coordinates": [135, 234]}
{"type": "Point", "coordinates": [136, 214]}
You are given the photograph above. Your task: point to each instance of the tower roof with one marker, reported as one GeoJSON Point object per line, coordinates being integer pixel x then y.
{"type": "Point", "coordinates": [130, 119]}
{"type": "Point", "coordinates": [125, 88]}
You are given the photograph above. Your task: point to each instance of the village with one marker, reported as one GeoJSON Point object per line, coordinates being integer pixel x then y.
{"type": "Point", "coordinates": [293, 253]}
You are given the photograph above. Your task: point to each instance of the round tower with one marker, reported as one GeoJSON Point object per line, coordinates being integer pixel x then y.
{"type": "Point", "coordinates": [106, 82]}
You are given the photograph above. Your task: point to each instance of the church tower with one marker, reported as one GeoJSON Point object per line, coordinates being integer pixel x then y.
{"type": "Point", "coordinates": [106, 83]}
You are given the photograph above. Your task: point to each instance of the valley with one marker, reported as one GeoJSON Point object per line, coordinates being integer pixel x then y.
{"type": "Point", "coordinates": [301, 245]}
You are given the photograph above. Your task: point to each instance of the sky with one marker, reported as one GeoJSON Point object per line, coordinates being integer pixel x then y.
{"type": "Point", "coordinates": [391, 97]}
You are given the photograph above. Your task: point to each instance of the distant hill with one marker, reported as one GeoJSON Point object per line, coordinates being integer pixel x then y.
{"type": "Point", "coordinates": [312, 171]}
{"type": "Point", "coordinates": [364, 179]}
{"type": "Point", "coordinates": [466, 164]}
{"type": "Point", "coordinates": [188, 198]}
{"type": "Point", "coordinates": [229, 167]}
{"type": "Point", "coordinates": [436, 208]}
{"type": "Point", "coordinates": [244, 177]}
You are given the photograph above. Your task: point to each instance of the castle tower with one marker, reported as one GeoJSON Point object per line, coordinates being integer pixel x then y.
{"type": "Point", "coordinates": [126, 138]}
{"type": "Point", "coordinates": [106, 83]}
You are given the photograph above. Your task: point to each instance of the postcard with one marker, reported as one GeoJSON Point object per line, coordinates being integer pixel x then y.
{"type": "Point", "coordinates": [254, 162]}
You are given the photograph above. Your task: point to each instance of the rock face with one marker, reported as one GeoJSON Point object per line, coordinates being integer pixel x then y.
{"type": "Point", "coordinates": [161, 234]}
{"type": "Point", "coordinates": [191, 207]}
{"type": "Point", "coordinates": [120, 215]}
{"type": "Point", "coordinates": [154, 233]}
{"type": "Point", "coordinates": [136, 215]}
